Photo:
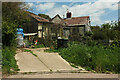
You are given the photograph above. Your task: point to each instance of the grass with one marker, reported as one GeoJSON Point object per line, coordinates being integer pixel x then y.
{"type": "Point", "coordinates": [30, 52]}
{"type": "Point", "coordinates": [9, 65]}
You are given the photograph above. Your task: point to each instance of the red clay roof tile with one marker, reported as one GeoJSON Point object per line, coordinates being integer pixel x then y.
{"type": "Point", "coordinates": [77, 20]}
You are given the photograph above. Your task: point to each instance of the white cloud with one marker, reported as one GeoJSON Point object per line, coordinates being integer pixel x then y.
{"type": "Point", "coordinates": [115, 7]}
{"type": "Point", "coordinates": [30, 4]}
{"type": "Point", "coordinates": [107, 21]}
{"type": "Point", "coordinates": [38, 1]}
{"type": "Point", "coordinates": [61, 11]}
{"type": "Point", "coordinates": [95, 17]}
{"type": "Point", "coordinates": [27, 5]}
{"type": "Point", "coordinates": [45, 6]}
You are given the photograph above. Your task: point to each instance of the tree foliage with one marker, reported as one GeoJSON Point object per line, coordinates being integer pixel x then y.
{"type": "Point", "coordinates": [44, 16]}
{"type": "Point", "coordinates": [13, 16]}
{"type": "Point", "coordinates": [106, 32]}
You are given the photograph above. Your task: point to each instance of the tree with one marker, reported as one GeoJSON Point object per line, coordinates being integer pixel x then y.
{"type": "Point", "coordinates": [44, 16]}
{"type": "Point", "coordinates": [106, 32]}
{"type": "Point", "coordinates": [12, 17]}
{"type": "Point", "coordinates": [94, 28]}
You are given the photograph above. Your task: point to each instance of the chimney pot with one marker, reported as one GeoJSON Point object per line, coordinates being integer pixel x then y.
{"type": "Point", "coordinates": [69, 14]}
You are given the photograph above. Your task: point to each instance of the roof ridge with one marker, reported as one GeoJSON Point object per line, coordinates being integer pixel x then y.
{"type": "Point", "coordinates": [76, 17]}
{"type": "Point", "coordinates": [81, 16]}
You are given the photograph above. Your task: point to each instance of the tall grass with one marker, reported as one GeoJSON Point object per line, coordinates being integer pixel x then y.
{"type": "Point", "coordinates": [98, 57]}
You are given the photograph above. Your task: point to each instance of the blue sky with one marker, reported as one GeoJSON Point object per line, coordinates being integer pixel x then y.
{"type": "Point", "coordinates": [99, 11]}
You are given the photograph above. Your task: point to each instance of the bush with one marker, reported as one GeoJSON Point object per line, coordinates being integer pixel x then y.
{"type": "Point", "coordinates": [98, 58]}
{"type": "Point", "coordinates": [8, 61]}
{"type": "Point", "coordinates": [99, 36]}
{"type": "Point", "coordinates": [39, 46]}
{"type": "Point", "coordinates": [9, 33]}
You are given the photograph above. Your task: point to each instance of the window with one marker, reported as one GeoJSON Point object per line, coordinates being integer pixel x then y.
{"type": "Point", "coordinates": [66, 33]}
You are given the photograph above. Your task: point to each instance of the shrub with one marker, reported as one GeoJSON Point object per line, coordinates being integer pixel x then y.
{"type": "Point", "coordinates": [99, 36]}
{"type": "Point", "coordinates": [8, 61]}
{"type": "Point", "coordinates": [39, 46]}
{"type": "Point", "coordinates": [97, 57]}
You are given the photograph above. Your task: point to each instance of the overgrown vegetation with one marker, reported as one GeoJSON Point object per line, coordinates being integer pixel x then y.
{"type": "Point", "coordinates": [44, 16]}
{"type": "Point", "coordinates": [98, 57]}
{"type": "Point", "coordinates": [9, 65]}
{"type": "Point", "coordinates": [95, 52]}
{"type": "Point", "coordinates": [106, 31]}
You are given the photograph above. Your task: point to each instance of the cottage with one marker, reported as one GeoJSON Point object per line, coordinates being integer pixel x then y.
{"type": "Point", "coordinates": [38, 27]}
{"type": "Point", "coordinates": [41, 28]}
{"type": "Point", "coordinates": [72, 26]}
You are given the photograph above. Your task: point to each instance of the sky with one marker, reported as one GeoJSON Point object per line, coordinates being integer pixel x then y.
{"type": "Point", "coordinates": [100, 12]}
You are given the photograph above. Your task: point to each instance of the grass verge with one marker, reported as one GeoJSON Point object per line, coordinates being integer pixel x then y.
{"type": "Point", "coordinates": [9, 65]}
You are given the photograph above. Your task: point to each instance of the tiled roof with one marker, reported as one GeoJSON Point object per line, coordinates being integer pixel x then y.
{"type": "Point", "coordinates": [77, 20]}
{"type": "Point", "coordinates": [38, 18]}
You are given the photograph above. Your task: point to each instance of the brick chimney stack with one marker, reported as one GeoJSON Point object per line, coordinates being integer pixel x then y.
{"type": "Point", "coordinates": [69, 14]}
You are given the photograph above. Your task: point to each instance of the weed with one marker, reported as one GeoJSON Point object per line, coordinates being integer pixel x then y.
{"type": "Point", "coordinates": [30, 52]}
{"type": "Point", "coordinates": [50, 70]}
{"type": "Point", "coordinates": [73, 65]}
